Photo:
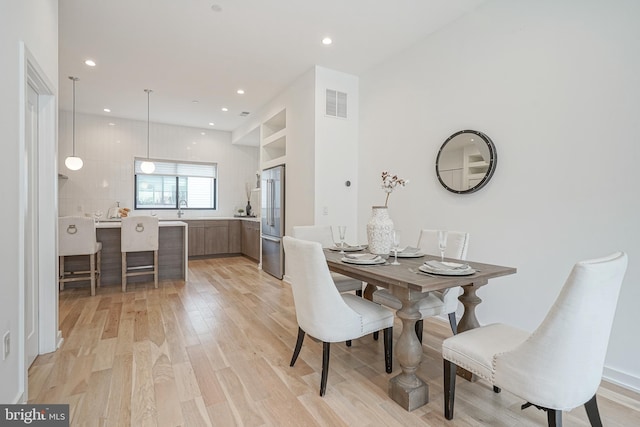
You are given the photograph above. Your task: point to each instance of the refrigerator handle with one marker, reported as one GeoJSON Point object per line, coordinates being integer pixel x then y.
{"type": "Point", "coordinates": [269, 202]}
{"type": "Point", "coordinates": [273, 202]}
{"type": "Point", "coordinates": [271, 239]}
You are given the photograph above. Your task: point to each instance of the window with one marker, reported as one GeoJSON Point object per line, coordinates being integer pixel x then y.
{"type": "Point", "coordinates": [192, 185]}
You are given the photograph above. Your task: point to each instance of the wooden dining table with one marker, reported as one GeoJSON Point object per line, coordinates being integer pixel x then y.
{"type": "Point", "coordinates": [407, 389]}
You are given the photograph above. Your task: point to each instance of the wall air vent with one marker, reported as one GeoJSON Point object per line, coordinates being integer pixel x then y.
{"type": "Point", "coordinates": [244, 114]}
{"type": "Point", "coordinates": [336, 104]}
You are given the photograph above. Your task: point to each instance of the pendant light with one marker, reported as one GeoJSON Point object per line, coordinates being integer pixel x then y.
{"type": "Point", "coordinates": [72, 162]}
{"type": "Point", "coordinates": [148, 166]}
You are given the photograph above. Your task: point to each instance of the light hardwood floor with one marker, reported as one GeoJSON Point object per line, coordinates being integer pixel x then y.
{"type": "Point", "coordinates": [216, 351]}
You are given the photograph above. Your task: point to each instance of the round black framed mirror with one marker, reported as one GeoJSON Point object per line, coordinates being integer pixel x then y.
{"type": "Point", "coordinates": [466, 161]}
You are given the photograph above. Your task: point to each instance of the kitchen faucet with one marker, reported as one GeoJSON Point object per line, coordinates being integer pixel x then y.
{"type": "Point", "coordinates": [180, 211]}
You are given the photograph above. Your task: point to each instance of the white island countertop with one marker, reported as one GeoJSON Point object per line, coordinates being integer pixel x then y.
{"type": "Point", "coordinates": [118, 224]}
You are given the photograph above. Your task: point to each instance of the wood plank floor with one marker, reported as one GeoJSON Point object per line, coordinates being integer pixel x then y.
{"type": "Point", "coordinates": [216, 350]}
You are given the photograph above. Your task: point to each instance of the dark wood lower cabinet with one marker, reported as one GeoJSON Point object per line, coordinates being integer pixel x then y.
{"type": "Point", "coordinates": [224, 237]}
{"type": "Point", "coordinates": [251, 240]}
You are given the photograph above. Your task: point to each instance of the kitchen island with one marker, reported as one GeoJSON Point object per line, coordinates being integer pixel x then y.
{"type": "Point", "coordinates": [172, 253]}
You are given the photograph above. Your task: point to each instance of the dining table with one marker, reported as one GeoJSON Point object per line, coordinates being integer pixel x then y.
{"type": "Point", "coordinates": [410, 285]}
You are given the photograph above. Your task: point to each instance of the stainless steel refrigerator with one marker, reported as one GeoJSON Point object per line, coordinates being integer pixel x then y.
{"type": "Point", "coordinates": [272, 210]}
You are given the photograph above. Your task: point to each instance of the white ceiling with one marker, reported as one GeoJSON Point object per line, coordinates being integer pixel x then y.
{"type": "Point", "coordinates": [184, 51]}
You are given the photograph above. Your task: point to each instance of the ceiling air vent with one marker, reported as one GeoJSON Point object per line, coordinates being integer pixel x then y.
{"type": "Point", "coordinates": [336, 104]}
{"type": "Point", "coordinates": [244, 114]}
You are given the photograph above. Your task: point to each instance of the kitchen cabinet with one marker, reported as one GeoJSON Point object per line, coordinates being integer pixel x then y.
{"type": "Point", "coordinates": [251, 239]}
{"type": "Point", "coordinates": [235, 237]}
{"type": "Point", "coordinates": [214, 237]}
{"type": "Point", "coordinates": [196, 238]}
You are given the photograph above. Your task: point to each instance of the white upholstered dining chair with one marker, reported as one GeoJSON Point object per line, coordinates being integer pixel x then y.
{"type": "Point", "coordinates": [77, 236]}
{"type": "Point", "coordinates": [326, 314]}
{"type": "Point", "coordinates": [139, 234]}
{"type": "Point", "coordinates": [558, 367]}
{"type": "Point", "coordinates": [437, 302]}
{"type": "Point", "coordinates": [323, 235]}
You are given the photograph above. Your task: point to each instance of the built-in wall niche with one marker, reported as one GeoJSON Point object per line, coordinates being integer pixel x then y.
{"type": "Point", "coordinates": [274, 140]}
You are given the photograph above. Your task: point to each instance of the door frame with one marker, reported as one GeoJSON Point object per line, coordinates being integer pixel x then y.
{"type": "Point", "coordinates": [50, 337]}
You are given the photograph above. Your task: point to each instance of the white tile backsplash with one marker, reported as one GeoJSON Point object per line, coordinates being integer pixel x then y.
{"type": "Point", "coordinates": [108, 153]}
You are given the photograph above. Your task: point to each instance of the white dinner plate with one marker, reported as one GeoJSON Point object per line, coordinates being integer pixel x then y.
{"type": "Point", "coordinates": [408, 254]}
{"type": "Point", "coordinates": [348, 248]}
{"type": "Point", "coordinates": [376, 261]}
{"type": "Point", "coordinates": [446, 272]}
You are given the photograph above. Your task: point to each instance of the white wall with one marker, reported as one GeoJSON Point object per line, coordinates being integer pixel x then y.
{"type": "Point", "coordinates": [556, 85]}
{"type": "Point", "coordinates": [336, 154]}
{"type": "Point", "coordinates": [34, 22]}
{"type": "Point", "coordinates": [108, 153]}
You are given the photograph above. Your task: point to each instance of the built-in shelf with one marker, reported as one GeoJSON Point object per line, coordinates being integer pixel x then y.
{"type": "Point", "coordinates": [274, 140]}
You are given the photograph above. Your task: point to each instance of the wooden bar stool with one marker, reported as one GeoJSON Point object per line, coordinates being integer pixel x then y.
{"type": "Point", "coordinates": [77, 236]}
{"type": "Point", "coordinates": [139, 234]}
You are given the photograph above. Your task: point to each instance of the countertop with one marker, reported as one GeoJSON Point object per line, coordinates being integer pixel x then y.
{"type": "Point", "coordinates": [118, 224]}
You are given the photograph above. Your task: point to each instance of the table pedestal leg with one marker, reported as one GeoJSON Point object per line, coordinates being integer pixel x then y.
{"type": "Point", "coordinates": [406, 388]}
{"type": "Point", "coordinates": [469, 300]}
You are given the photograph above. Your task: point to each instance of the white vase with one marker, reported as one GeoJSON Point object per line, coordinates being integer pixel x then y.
{"type": "Point", "coordinates": [379, 230]}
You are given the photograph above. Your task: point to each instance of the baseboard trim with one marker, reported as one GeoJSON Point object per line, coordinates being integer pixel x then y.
{"type": "Point", "coordinates": [622, 379]}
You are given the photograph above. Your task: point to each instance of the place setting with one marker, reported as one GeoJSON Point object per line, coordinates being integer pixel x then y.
{"type": "Point", "coordinates": [442, 267]}
{"type": "Point", "coordinates": [343, 247]}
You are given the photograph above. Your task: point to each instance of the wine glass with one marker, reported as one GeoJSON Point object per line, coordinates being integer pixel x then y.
{"type": "Point", "coordinates": [342, 232]}
{"type": "Point", "coordinates": [442, 243]}
{"type": "Point", "coordinates": [395, 240]}
{"type": "Point", "coordinates": [97, 215]}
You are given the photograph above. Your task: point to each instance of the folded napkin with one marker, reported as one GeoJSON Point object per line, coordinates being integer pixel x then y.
{"type": "Point", "coordinates": [409, 250]}
{"type": "Point", "coordinates": [446, 266]}
{"type": "Point", "coordinates": [363, 257]}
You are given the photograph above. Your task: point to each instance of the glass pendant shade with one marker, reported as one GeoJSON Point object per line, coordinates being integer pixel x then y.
{"type": "Point", "coordinates": [146, 167]}
{"type": "Point", "coordinates": [73, 163]}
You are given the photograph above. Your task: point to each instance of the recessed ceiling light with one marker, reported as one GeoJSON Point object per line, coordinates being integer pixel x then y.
{"type": "Point", "coordinates": [225, 109]}
{"type": "Point", "coordinates": [201, 133]}
{"type": "Point", "coordinates": [112, 124]}
{"type": "Point", "coordinates": [194, 143]}
{"type": "Point", "coordinates": [90, 62]}
{"type": "Point", "coordinates": [107, 110]}
{"type": "Point", "coordinates": [327, 41]}
{"type": "Point", "coordinates": [211, 124]}
{"type": "Point", "coordinates": [240, 91]}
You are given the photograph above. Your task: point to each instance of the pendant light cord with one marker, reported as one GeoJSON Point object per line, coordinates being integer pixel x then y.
{"type": "Point", "coordinates": [148, 119]}
{"type": "Point", "coordinates": [73, 119]}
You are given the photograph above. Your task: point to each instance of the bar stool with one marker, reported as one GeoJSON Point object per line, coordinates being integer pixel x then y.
{"type": "Point", "coordinates": [77, 236]}
{"type": "Point", "coordinates": [139, 234]}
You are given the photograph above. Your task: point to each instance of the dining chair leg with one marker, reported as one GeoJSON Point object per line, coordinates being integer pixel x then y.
{"type": "Point", "coordinates": [326, 348]}
{"type": "Point", "coordinates": [554, 418]}
{"type": "Point", "coordinates": [449, 388]}
{"type": "Point", "coordinates": [592, 412]}
{"type": "Point", "coordinates": [419, 327]}
{"type": "Point", "coordinates": [359, 293]}
{"type": "Point", "coordinates": [61, 273]}
{"type": "Point", "coordinates": [92, 268]}
{"type": "Point", "coordinates": [375, 335]}
{"type": "Point", "coordinates": [99, 270]}
{"type": "Point", "coordinates": [453, 322]}
{"type": "Point", "coordinates": [296, 351]}
{"type": "Point", "coordinates": [348, 343]}
{"type": "Point", "coordinates": [388, 349]}
{"type": "Point", "coordinates": [155, 269]}
{"type": "Point", "coordinates": [124, 272]}
{"type": "Point", "coordinates": [496, 389]}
